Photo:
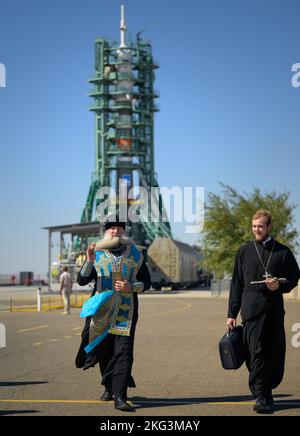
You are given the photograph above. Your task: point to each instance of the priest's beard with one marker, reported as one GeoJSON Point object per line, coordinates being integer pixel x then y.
{"type": "Point", "coordinates": [261, 238]}
{"type": "Point", "coordinates": [110, 242]}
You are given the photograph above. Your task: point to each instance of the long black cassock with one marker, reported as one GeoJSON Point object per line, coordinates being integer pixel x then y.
{"type": "Point", "coordinates": [262, 310]}
{"type": "Point", "coordinates": [115, 353]}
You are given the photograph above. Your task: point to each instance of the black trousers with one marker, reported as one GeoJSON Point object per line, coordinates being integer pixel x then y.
{"type": "Point", "coordinates": [264, 338]}
{"type": "Point", "coordinates": [114, 355]}
{"type": "Point", "coordinates": [115, 362]}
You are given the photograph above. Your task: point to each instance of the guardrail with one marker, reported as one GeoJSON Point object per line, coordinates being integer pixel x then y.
{"type": "Point", "coordinates": [46, 302]}
{"type": "Point", "coordinates": [219, 287]}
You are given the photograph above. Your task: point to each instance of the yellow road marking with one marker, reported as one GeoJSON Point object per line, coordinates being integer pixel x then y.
{"type": "Point", "coordinates": [77, 328]}
{"type": "Point", "coordinates": [33, 328]}
{"type": "Point", "coordinates": [53, 340]}
{"type": "Point", "coordinates": [36, 344]}
{"type": "Point", "coordinates": [215, 403]}
{"type": "Point", "coordinates": [67, 337]}
{"type": "Point", "coordinates": [165, 402]}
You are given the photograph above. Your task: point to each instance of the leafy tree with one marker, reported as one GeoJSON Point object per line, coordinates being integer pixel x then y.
{"type": "Point", "coordinates": [228, 224]}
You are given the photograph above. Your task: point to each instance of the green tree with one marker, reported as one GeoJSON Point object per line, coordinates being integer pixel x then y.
{"type": "Point", "coordinates": [228, 224]}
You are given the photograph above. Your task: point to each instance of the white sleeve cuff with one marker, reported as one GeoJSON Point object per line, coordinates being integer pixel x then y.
{"type": "Point", "coordinates": [138, 287]}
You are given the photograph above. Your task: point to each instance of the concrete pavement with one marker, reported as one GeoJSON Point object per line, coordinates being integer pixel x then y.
{"type": "Point", "coordinates": [176, 369]}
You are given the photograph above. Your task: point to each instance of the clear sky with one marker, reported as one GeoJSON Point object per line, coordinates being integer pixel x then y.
{"type": "Point", "coordinates": [228, 110]}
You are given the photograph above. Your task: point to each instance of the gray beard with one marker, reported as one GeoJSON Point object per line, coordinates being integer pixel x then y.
{"type": "Point", "coordinates": [110, 242]}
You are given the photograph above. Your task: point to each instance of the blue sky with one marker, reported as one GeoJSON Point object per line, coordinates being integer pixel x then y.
{"type": "Point", "coordinates": [228, 110]}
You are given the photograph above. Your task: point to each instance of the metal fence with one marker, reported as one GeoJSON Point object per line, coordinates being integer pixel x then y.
{"type": "Point", "coordinates": [218, 287]}
{"type": "Point", "coordinates": [48, 302]}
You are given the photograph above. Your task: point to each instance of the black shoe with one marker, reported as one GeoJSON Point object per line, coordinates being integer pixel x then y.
{"type": "Point", "coordinates": [270, 399]}
{"type": "Point", "coordinates": [107, 395]}
{"type": "Point", "coordinates": [262, 406]}
{"type": "Point", "coordinates": [121, 404]}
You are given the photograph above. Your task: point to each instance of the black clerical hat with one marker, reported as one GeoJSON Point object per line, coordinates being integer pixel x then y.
{"type": "Point", "coordinates": [114, 221]}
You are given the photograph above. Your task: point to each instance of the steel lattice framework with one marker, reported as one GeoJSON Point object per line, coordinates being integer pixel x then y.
{"type": "Point", "coordinates": [124, 103]}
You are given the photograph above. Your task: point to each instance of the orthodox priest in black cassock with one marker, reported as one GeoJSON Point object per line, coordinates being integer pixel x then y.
{"type": "Point", "coordinates": [262, 311]}
{"type": "Point", "coordinates": [108, 334]}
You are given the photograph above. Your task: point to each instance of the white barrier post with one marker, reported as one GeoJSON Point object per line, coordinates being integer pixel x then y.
{"type": "Point", "coordinates": [39, 299]}
{"type": "Point", "coordinates": [2, 336]}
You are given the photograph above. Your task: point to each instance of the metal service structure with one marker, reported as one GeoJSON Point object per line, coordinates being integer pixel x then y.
{"type": "Point", "coordinates": [124, 104]}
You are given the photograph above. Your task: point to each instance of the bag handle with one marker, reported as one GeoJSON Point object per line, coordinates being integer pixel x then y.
{"type": "Point", "coordinates": [229, 331]}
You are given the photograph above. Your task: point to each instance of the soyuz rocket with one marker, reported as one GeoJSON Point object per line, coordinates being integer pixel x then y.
{"type": "Point", "coordinates": [123, 100]}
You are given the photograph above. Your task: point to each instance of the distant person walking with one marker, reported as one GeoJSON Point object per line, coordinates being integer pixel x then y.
{"type": "Point", "coordinates": [66, 285]}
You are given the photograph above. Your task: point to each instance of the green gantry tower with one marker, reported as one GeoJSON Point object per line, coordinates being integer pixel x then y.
{"type": "Point", "coordinates": [124, 103]}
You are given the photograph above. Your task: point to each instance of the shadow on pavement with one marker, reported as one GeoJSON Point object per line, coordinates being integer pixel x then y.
{"type": "Point", "coordinates": [16, 412]}
{"type": "Point", "coordinates": [22, 383]}
{"type": "Point", "coordinates": [145, 403]}
{"type": "Point", "coordinates": [285, 405]}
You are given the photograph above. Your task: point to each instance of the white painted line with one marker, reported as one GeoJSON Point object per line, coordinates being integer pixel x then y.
{"type": "Point", "coordinates": [33, 328]}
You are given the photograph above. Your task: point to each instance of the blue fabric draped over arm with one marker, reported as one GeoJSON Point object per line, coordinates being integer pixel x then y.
{"type": "Point", "coordinates": [91, 306]}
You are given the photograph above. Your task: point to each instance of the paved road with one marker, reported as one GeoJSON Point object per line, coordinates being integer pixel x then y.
{"type": "Point", "coordinates": [177, 368]}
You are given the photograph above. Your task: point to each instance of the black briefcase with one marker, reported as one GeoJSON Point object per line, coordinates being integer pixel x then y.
{"type": "Point", "coordinates": [231, 349]}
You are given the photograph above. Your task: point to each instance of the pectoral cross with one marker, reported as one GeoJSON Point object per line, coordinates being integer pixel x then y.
{"type": "Point", "coordinates": [268, 276]}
